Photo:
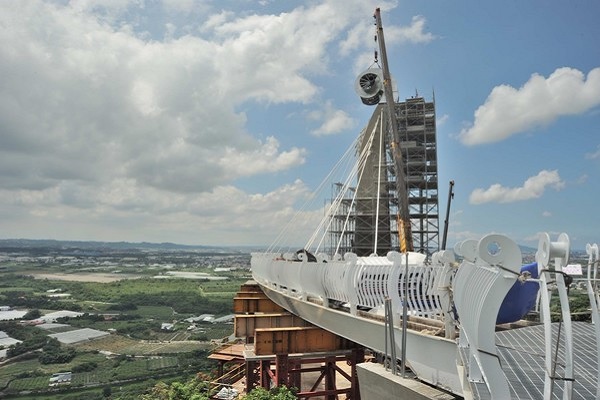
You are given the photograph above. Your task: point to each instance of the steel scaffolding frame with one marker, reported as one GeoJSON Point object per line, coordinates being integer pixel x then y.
{"type": "Point", "coordinates": [416, 125]}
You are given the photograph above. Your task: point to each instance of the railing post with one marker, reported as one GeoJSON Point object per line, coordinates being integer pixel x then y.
{"type": "Point", "coordinates": [443, 261]}
{"type": "Point", "coordinates": [480, 287]}
{"type": "Point", "coordinates": [404, 319]}
{"type": "Point", "coordinates": [560, 252]}
{"type": "Point", "coordinates": [349, 283]}
{"type": "Point", "coordinates": [593, 260]}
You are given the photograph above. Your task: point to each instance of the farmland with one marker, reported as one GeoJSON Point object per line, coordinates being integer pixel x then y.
{"type": "Point", "coordinates": [156, 325]}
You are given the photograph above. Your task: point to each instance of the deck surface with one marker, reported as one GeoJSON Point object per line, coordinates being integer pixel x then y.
{"type": "Point", "coordinates": [521, 354]}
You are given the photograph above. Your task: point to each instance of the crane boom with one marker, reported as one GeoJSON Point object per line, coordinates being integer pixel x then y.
{"type": "Point", "coordinates": [404, 227]}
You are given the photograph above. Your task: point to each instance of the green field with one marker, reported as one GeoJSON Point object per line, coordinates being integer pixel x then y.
{"type": "Point", "coordinates": [141, 351]}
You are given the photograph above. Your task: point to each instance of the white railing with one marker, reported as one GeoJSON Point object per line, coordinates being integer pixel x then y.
{"type": "Point", "coordinates": [468, 296]}
{"type": "Point", "coordinates": [488, 271]}
{"type": "Point", "coordinates": [593, 253]}
{"type": "Point", "coordinates": [559, 252]}
{"type": "Point", "coordinates": [359, 283]}
{"type": "Point", "coordinates": [443, 287]}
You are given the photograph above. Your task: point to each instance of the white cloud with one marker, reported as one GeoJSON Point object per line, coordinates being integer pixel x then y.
{"type": "Point", "coordinates": [182, 5]}
{"type": "Point", "coordinates": [532, 188]}
{"type": "Point", "coordinates": [593, 155]}
{"type": "Point", "coordinates": [413, 33]}
{"type": "Point", "coordinates": [126, 119]}
{"type": "Point", "coordinates": [91, 102]}
{"type": "Point", "coordinates": [546, 214]}
{"type": "Point", "coordinates": [334, 120]}
{"type": "Point", "coordinates": [266, 158]}
{"type": "Point", "coordinates": [112, 8]}
{"type": "Point", "coordinates": [216, 20]}
{"type": "Point", "coordinates": [357, 37]}
{"type": "Point", "coordinates": [508, 111]}
{"type": "Point", "coordinates": [120, 209]}
{"type": "Point", "coordinates": [582, 179]}
{"type": "Point", "coordinates": [361, 36]}
{"type": "Point", "coordinates": [440, 121]}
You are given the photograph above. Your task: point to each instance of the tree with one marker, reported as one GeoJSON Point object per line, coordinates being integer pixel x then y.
{"type": "Point", "coordinates": [276, 393]}
{"type": "Point", "coordinates": [32, 314]}
{"type": "Point", "coordinates": [53, 353]}
{"type": "Point", "coordinates": [193, 389]}
{"type": "Point", "coordinates": [31, 341]}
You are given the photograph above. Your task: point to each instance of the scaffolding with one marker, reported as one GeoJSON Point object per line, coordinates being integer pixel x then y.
{"type": "Point", "coordinates": [416, 124]}
{"type": "Point", "coordinates": [364, 227]}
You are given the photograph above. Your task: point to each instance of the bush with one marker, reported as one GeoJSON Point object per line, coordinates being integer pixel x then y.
{"type": "Point", "coordinates": [276, 393]}
{"type": "Point", "coordinates": [29, 344]}
{"type": "Point", "coordinates": [32, 314]}
{"type": "Point", "coordinates": [193, 389]}
{"type": "Point", "coordinates": [85, 367]}
{"type": "Point", "coordinates": [128, 306]}
{"type": "Point", "coordinates": [53, 353]}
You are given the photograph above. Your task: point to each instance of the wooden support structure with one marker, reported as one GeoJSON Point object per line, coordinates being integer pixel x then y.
{"type": "Point", "coordinates": [253, 304]}
{"type": "Point", "coordinates": [280, 348]}
{"type": "Point", "coordinates": [246, 324]}
{"type": "Point", "coordinates": [287, 369]}
{"type": "Point", "coordinates": [297, 340]}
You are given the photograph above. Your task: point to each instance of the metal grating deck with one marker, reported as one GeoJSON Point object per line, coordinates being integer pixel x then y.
{"type": "Point", "coordinates": [521, 354]}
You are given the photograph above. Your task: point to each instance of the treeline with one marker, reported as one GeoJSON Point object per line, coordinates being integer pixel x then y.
{"type": "Point", "coordinates": [184, 296]}
{"type": "Point", "coordinates": [27, 299]}
{"type": "Point", "coordinates": [181, 301]}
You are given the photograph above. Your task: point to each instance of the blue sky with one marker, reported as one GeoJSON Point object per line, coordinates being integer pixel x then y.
{"type": "Point", "coordinates": [209, 122]}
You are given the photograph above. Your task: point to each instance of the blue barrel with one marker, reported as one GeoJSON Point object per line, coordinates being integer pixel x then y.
{"type": "Point", "coordinates": [520, 299]}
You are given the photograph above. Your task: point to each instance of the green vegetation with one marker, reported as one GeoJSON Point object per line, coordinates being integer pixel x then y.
{"type": "Point", "coordinates": [54, 353]}
{"type": "Point", "coordinates": [91, 369]}
{"type": "Point", "coordinates": [193, 389]}
{"type": "Point", "coordinates": [200, 389]}
{"type": "Point", "coordinates": [276, 393]}
{"type": "Point", "coordinates": [135, 356]}
{"type": "Point", "coordinates": [32, 338]}
{"type": "Point", "coordinates": [579, 304]}
{"type": "Point", "coordinates": [183, 295]}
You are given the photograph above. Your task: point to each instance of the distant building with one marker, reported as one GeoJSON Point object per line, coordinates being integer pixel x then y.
{"type": "Point", "coordinates": [58, 295]}
{"type": "Point", "coordinates": [60, 378]}
{"type": "Point", "coordinates": [201, 318]}
{"type": "Point", "coordinates": [78, 335]}
{"type": "Point", "coordinates": [226, 318]}
{"type": "Point", "coordinates": [53, 316]}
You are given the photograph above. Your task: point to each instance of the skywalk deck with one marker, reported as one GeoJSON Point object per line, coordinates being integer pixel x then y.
{"type": "Point", "coordinates": [521, 354]}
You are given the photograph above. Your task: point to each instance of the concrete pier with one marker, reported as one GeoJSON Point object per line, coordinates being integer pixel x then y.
{"type": "Point", "coordinates": [377, 383]}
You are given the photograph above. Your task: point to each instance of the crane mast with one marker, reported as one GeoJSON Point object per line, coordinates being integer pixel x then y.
{"type": "Point", "coordinates": [404, 227]}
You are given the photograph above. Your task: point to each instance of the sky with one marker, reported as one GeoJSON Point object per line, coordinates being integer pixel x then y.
{"type": "Point", "coordinates": [211, 122]}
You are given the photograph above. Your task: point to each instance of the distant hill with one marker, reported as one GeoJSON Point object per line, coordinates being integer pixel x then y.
{"type": "Point", "coordinates": [48, 244]}
{"type": "Point", "coordinates": [527, 249]}
{"type": "Point", "coordinates": [113, 246]}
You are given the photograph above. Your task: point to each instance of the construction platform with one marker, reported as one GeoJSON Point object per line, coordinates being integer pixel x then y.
{"type": "Point", "coordinates": [276, 347]}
